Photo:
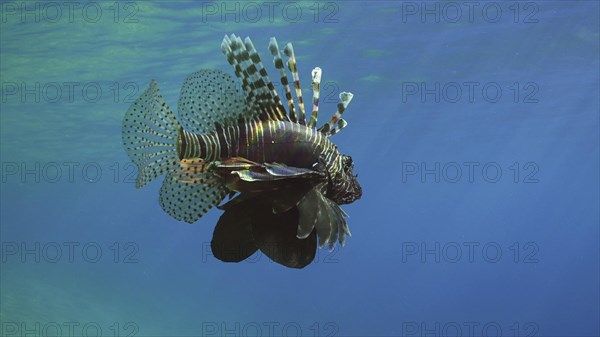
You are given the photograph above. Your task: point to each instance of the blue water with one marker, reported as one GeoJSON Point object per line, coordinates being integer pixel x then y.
{"type": "Point", "coordinates": [475, 136]}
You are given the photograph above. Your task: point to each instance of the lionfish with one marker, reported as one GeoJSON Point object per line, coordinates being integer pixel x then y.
{"type": "Point", "coordinates": [284, 177]}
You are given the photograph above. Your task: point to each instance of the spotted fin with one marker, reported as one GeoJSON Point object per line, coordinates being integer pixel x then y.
{"type": "Point", "coordinates": [209, 98]}
{"type": "Point", "coordinates": [188, 196]}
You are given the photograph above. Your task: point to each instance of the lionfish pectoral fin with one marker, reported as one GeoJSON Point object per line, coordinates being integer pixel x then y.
{"type": "Point", "coordinates": [237, 162]}
{"type": "Point", "coordinates": [287, 198]}
{"type": "Point", "coordinates": [254, 176]}
{"type": "Point", "coordinates": [317, 211]}
{"type": "Point", "coordinates": [282, 170]}
{"type": "Point", "coordinates": [249, 223]}
{"type": "Point", "coordinates": [308, 214]}
{"type": "Point", "coordinates": [232, 239]}
{"type": "Point", "coordinates": [281, 198]}
{"type": "Point", "coordinates": [239, 199]}
{"type": "Point", "coordinates": [273, 171]}
{"type": "Point", "coordinates": [275, 236]}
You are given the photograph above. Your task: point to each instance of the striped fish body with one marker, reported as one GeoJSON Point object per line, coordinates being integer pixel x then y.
{"type": "Point", "coordinates": [262, 141]}
{"type": "Point", "coordinates": [283, 142]}
{"type": "Point", "coordinates": [289, 177]}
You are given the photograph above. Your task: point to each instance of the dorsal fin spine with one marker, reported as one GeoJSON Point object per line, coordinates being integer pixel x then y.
{"type": "Point", "coordinates": [316, 87]}
{"type": "Point", "coordinates": [293, 67]}
{"type": "Point", "coordinates": [236, 47]}
{"type": "Point", "coordinates": [278, 62]}
{"type": "Point", "coordinates": [239, 72]}
{"type": "Point", "coordinates": [340, 125]}
{"type": "Point", "coordinates": [345, 98]}
{"type": "Point", "coordinates": [279, 110]}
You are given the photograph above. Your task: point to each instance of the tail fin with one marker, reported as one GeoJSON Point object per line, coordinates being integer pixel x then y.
{"type": "Point", "coordinates": [150, 133]}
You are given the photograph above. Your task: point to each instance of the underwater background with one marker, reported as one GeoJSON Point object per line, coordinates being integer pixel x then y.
{"type": "Point", "coordinates": [474, 130]}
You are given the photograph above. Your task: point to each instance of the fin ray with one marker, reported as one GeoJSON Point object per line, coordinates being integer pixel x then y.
{"type": "Point", "coordinates": [278, 62]}
{"type": "Point", "coordinates": [345, 98]}
{"type": "Point", "coordinates": [259, 90]}
{"type": "Point", "coordinates": [317, 211]}
{"type": "Point", "coordinates": [293, 67]}
{"type": "Point", "coordinates": [316, 87]}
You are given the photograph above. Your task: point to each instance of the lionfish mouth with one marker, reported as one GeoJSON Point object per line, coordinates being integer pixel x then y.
{"type": "Point", "coordinates": [353, 195]}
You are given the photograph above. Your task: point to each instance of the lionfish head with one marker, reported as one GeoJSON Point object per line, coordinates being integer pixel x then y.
{"type": "Point", "coordinates": [346, 187]}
